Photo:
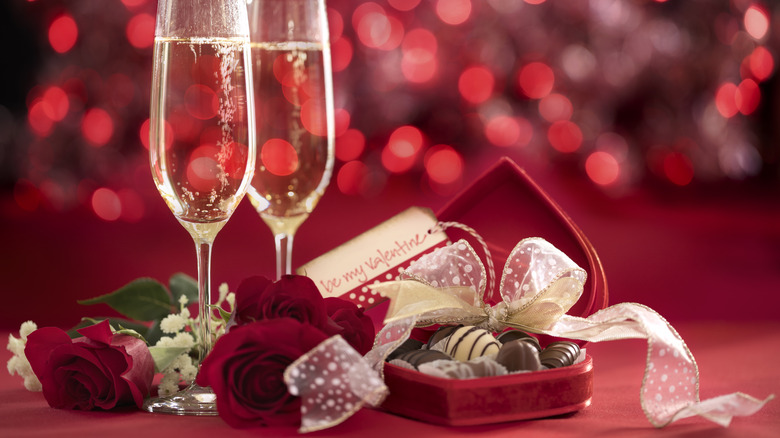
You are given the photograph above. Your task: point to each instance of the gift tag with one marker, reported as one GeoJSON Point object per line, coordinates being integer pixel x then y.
{"type": "Point", "coordinates": [377, 255]}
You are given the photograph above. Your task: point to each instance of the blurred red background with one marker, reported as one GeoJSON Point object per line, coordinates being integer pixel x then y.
{"type": "Point", "coordinates": [652, 123]}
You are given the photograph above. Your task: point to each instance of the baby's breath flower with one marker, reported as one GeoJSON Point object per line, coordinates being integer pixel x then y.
{"type": "Point", "coordinates": [27, 328]}
{"type": "Point", "coordinates": [18, 364]}
{"type": "Point", "coordinates": [231, 299]}
{"type": "Point", "coordinates": [169, 384]}
{"type": "Point", "coordinates": [172, 323]}
{"type": "Point", "coordinates": [183, 340]}
{"type": "Point", "coordinates": [165, 341]}
{"type": "Point", "coordinates": [183, 300]}
{"type": "Point", "coordinates": [189, 372]}
{"type": "Point", "coordinates": [223, 291]}
{"type": "Point", "coordinates": [185, 313]}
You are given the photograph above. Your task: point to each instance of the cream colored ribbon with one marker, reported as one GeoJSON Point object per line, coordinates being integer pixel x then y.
{"type": "Point", "coordinates": [539, 284]}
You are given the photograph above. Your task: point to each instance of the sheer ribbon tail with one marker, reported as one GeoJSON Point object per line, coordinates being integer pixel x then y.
{"type": "Point", "coordinates": [722, 409]}
{"type": "Point", "coordinates": [333, 381]}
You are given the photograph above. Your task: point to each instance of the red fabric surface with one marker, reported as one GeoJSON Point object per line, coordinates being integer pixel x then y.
{"type": "Point", "coordinates": [731, 357]}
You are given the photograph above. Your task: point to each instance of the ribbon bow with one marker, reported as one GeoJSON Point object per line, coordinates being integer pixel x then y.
{"type": "Point", "coordinates": [538, 286]}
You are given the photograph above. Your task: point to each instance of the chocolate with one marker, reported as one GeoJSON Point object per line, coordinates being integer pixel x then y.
{"type": "Point", "coordinates": [419, 357]}
{"type": "Point", "coordinates": [511, 335]}
{"type": "Point", "coordinates": [454, 369]}
{"type": "Point", "coordinates": [519, 355]}
{"type": "Point", "coordinates": [559, 354]}
{"type": "Point", "coordinates": [408, 345]}
{"type": "Point", "coordinates": [468, 342]}
{"type": "Point", "coordinates": [441, 333]}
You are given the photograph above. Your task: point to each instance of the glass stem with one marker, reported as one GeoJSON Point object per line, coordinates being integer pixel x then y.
{"type": "Point", "coordinates": [284, 245]}
{"type": "Point", "coordinates": [203, 249]}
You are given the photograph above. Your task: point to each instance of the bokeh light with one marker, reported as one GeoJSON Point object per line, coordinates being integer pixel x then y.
{"type": "Point", "coordinates": [352, 178]}
{"type": "Point", "coordinates": [63, 33]}
{"type": "Point", "coordinates": [419, 64]}
{"type": "Point", "coordinates": [678, 168]}
{"type": "Point", "coordinates": [476, 84]}
{"type": "Point", "coordinates": [55, 103]}
{"type": "Point", "coordinates": [725, 100]}
{"type": "Point", "coordinates": [443, 164]}
{"type": "Point", "coordinates": [554, 107]}
{"type": "Point", "coordinates": [404, 5]}
{"type": "Point", "coordinates": [756, 22]}
{"type": "Point", "coordinates": [106, 204]}
{"type": "Point", "coordinates": [761, 63]}
{"type": "Point", "coordinates": [203, 169]}
{"type": "Point", "coordinates": [536, 80]}
{"type": "Point", "coordinates": [565, 136]}
{"type": "Point", "coordinates": [506, 131]}
{"type": "Point", "coordinates": [453, 12]}
{"type": "Point", "coordinates": [201, 102]}
{"type": "Point", "coordinates": [97, 126]}
{"type": "Point", "coordinates": [602, 168]}
{"type": "Point", "coordinates": [140, 30]}
{"type": "Point", "coordinates": [279, 157]}
{"type": "Point", "coordinates": [747, 97]}
{"type": "Point", "coordinates": [350, 145]}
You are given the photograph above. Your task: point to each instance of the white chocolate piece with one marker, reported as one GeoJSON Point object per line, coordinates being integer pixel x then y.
{"type": "Point", "coordinates": [469, 342]}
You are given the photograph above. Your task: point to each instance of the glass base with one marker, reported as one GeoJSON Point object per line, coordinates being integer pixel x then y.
{"type": "Point", "coordinates": [192, 400]}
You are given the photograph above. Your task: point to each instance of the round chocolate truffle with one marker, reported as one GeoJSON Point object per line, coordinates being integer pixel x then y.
{"type": "Point", "coordinates": [468, 342]}
{"type": "Point", "coordinates": [441, 333]}
{"type": "Point", "coordinates": [408, 345]}
{"type": "Point", "coordinates": [519, 355]}
{"type": "Point", "coordinates": [419, 357]}
{"type": "Point", "coordinates": [511, 335]}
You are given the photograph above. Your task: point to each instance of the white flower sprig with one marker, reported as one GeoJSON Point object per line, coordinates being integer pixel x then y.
{"type": "Point", "coordinates": [182, 333]}
{"type": "Point", "coordinates": [18, 363]}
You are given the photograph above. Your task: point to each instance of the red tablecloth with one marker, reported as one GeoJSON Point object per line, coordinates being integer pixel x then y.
{"type": "Point", "coordinates": [731, 357]}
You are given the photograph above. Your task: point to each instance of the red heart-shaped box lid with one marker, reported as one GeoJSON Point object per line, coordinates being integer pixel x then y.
{"type": "Point", "coordinates": [504, 206]}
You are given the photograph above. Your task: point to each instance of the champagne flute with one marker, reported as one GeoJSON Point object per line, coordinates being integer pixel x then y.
{"type": "Point", "coordinates": [202, 141]}
{"type": "Point", "coordinates": [293, 88]}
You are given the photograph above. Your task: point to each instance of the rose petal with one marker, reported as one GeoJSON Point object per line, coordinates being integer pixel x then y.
{"type": "Point", "coordinates": [100, 332]}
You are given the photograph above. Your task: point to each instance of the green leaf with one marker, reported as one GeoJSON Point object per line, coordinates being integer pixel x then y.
{"type": "Point", "coordinates": [113, 321]}
{"type": "Point", "coordinates": [144, 299]}
{"type": "Point", "coordinates": [164, 356]}
{"type": "Point", "coordinates": [182, 284]}
{"type": "Point", "coordinates": [153, 334]}
{"type": "Point", "coordinates": [224, 314]}
{"type": "Point", "coordinates": [130, 332]}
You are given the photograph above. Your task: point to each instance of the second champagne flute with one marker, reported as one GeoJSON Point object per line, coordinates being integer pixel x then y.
{"type": "Point", "coordinates": [294, 115]}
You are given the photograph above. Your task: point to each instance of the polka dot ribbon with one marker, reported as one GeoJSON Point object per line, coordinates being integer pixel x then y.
{"type": "Point", "coordinates": [539, 284]}
{"type": "Point", "coordinates": [333, 381]}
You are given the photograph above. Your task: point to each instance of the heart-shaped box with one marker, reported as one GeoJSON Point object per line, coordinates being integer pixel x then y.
{"type": "Point", "coordinates": [505, 206]}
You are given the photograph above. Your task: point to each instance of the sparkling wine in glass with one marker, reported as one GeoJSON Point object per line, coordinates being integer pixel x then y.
{"type": "Point", "coordinates": [294, 115]}
{"type": "Point", "coordinates": [202, 141]}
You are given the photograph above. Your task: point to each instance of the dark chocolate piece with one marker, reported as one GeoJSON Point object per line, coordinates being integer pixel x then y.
{"type": "Point", "coordinates": [519, 355]}
{"type": "Point", "coordinates": [419, 357]}
{"type": "Point", "coordinates": [408, 345]}
{"type": "Point", "coordinates": [559, 354]}
{"type": "Point", "coordinates": [511, 335]}
{"type": "Point", "coordinates": [441, 333]}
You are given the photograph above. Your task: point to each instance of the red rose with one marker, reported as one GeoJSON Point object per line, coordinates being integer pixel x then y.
{"type": "Point", "coordinates": [356, 328]}
{"type": "Point", "coordinates": [246, 371]}
{"type": "Point", "coordinates": [100, 370]}
{"type": "Point", "coordinates": [247, 299]}
{"type": "Point", "coordinates": [292, 296]}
